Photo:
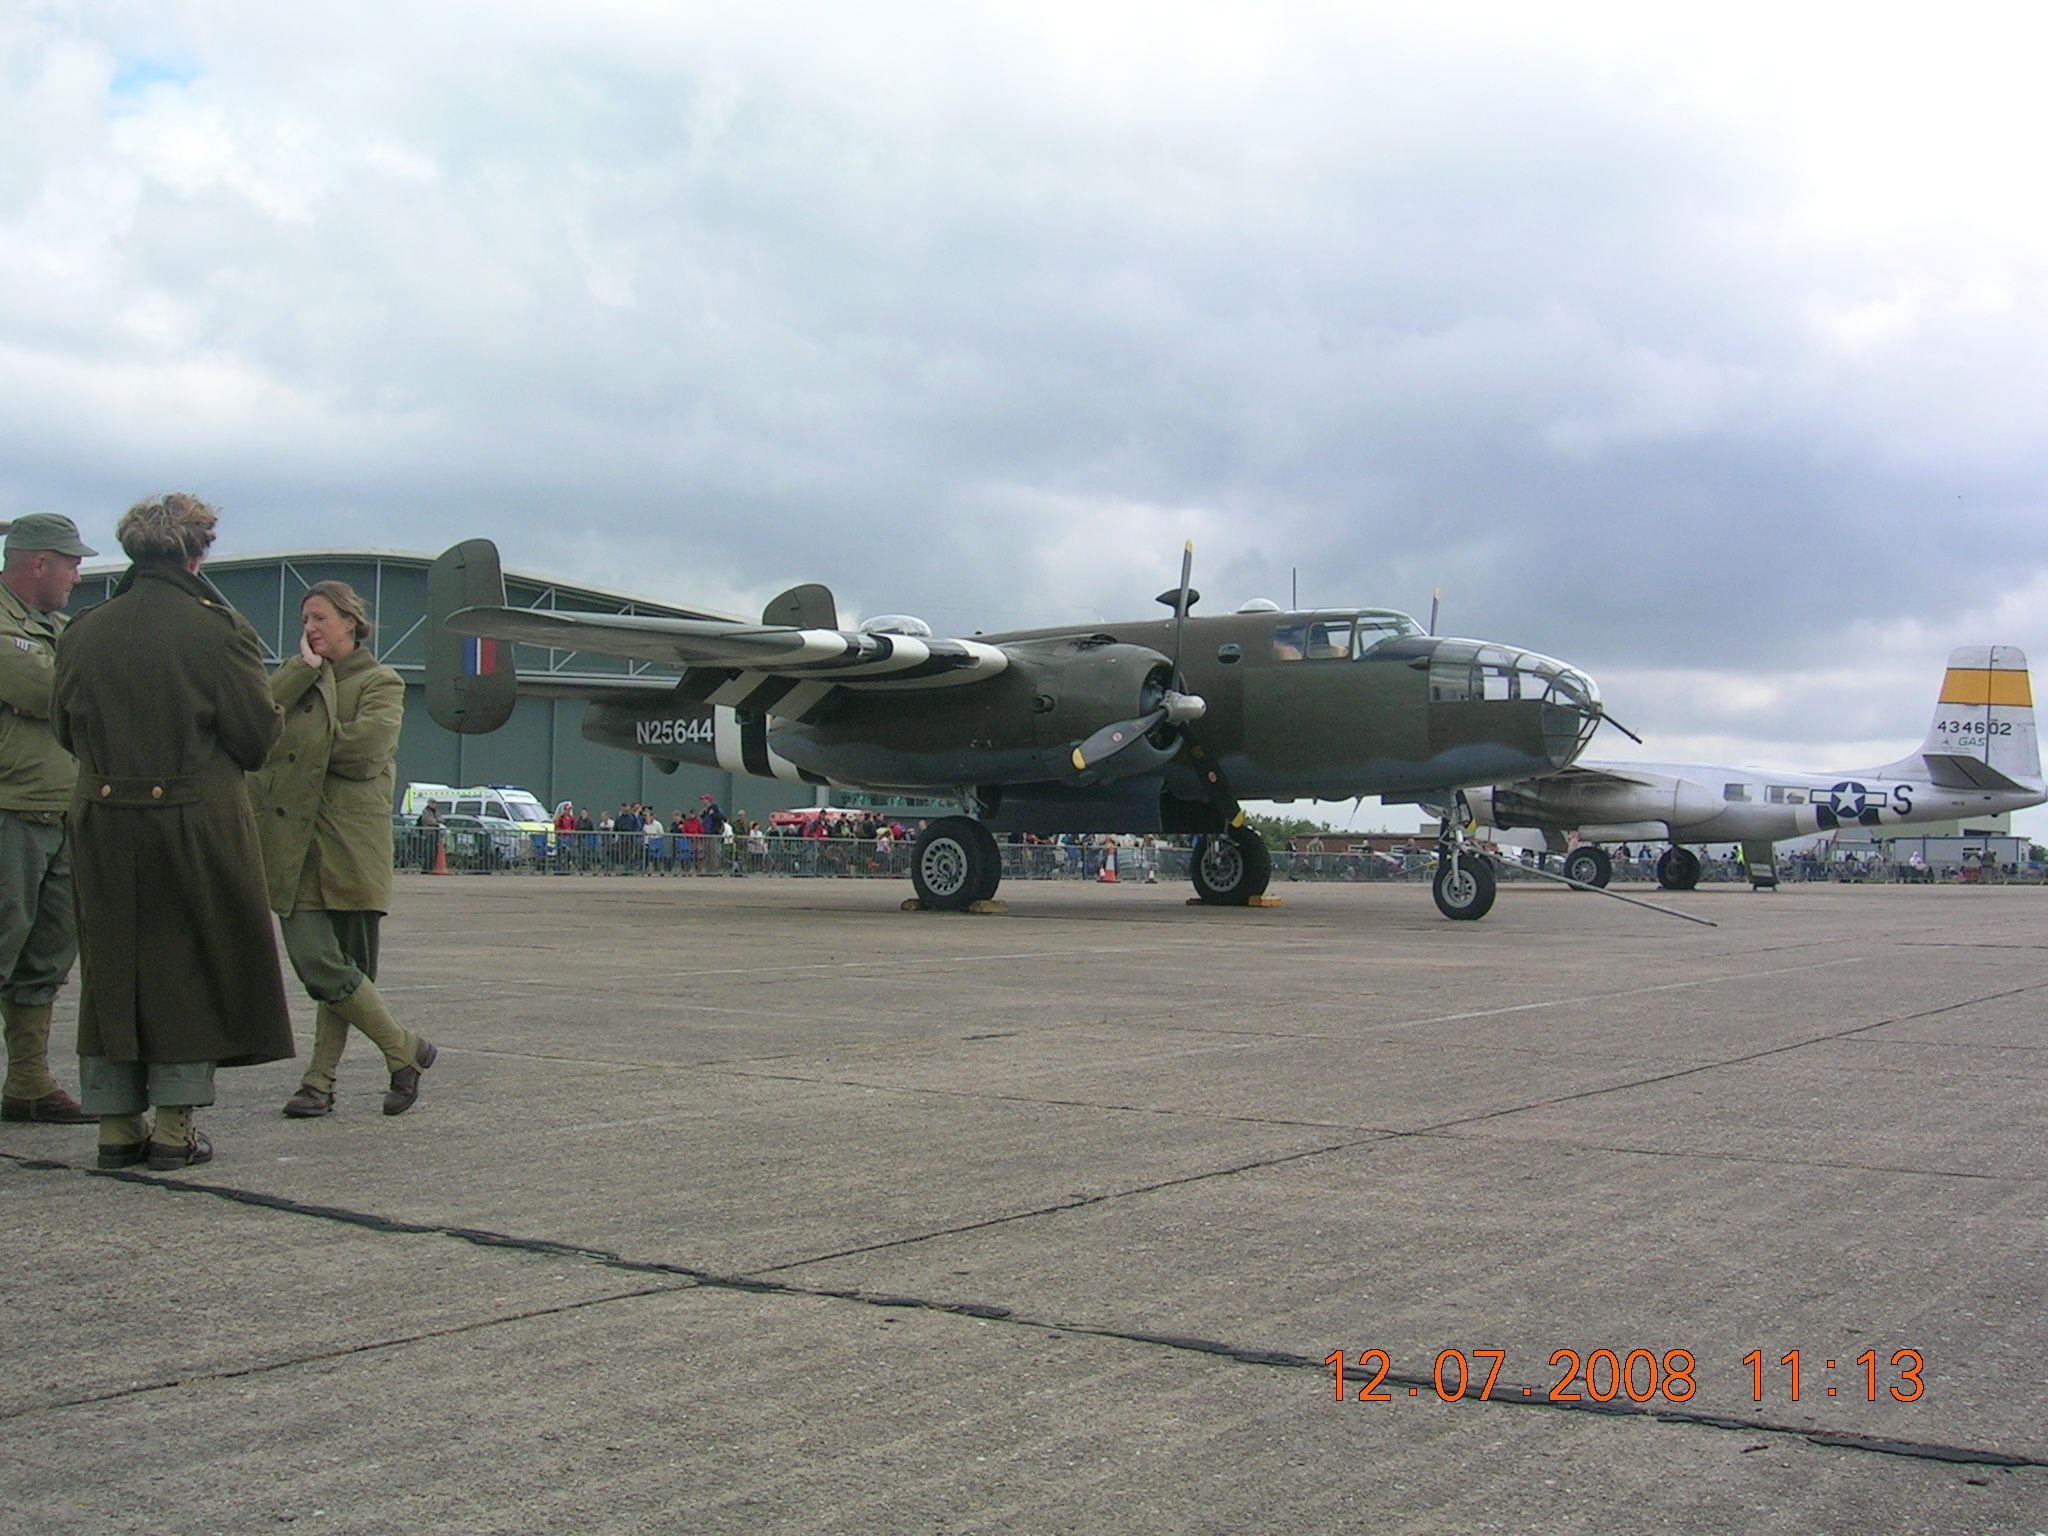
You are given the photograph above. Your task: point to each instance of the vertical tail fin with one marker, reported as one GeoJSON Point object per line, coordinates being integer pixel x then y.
{"type": "Point", "coordinates": [1983, 728]}
{"type": "Point", "coordinates": [471, 682]}
{"type": "Point", "coordinates": [809, 606]}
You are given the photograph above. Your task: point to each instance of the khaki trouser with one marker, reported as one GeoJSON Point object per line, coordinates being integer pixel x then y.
{"type": "Point", "coordinates": [129, 1087]}
{"type": "Point", "coordinates": [334, 955]}
{"type": "Point", "coordinates": [38, 941]}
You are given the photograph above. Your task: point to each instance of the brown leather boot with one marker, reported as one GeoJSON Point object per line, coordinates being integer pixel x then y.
{"type": "Point", "coordinates": [165, 1156]}
{"type": "Point", "coordinates": [309, 1103]}
{"type": "Point", "coordinates": [405, 1082]}
{"type": "Point", "coordinates": [53, 1108]}
{"type": "Point", "coordinates": [30, 1092]}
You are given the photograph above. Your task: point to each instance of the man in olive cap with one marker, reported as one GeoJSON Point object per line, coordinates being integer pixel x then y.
{"type": "Point", "coordinates": [37, 939]}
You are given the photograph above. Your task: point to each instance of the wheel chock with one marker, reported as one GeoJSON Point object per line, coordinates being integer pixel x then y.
{"type": "Point", "coordinates": [1264, 901]}
{"type": "Point", "coordinates": [911, 904]}
{"type": "Point", "coordinates": [988, 908]}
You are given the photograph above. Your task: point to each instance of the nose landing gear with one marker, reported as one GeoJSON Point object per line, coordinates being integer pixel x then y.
{"type": "Point", "coordinates": [1464, 884]}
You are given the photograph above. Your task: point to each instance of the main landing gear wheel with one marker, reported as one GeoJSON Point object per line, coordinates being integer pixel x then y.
{"type": "Point", "coordinates": [1678, 869]}
{"type": "Point", "coordinates": [954, 863]}
{"type": "Point", "coordinates": [1230, 868]}
{"type": "Point", "coordinates": [993, 851]}
{"type": "Point", "coordinates": [1589, 864]}
{"type": "Point", "coordinates": [1464, 887]}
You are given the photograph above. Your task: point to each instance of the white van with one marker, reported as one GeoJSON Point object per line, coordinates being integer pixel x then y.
{"type": "Point", "coordinates": [515, 818]}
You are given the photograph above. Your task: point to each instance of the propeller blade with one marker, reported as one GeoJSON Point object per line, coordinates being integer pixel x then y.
{"type": "Point", "coordinates": [1180, 608]}
{"type": "Point", "coordinates": [1435, 599]}
{"type": "Point", "coordinates": [1112, 739]}
{"type": "Point", "coordinates": [1174, 709]}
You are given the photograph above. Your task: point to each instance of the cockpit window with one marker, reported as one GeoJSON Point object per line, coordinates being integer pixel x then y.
{"type": "Point", "coordinates": [1373, 630]}
{"type": "Point", "coordinates": [1312, 640]}
{"type": "Point", "coordinates": [1333, 639]}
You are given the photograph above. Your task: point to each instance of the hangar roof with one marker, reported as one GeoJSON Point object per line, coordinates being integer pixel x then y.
{"type": "Point", "coordinates": [265, 586]}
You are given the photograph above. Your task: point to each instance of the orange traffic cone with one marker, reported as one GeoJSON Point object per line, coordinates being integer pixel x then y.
{"type": "Point", "coordinates": [440, 857]}
{"type": "Point", "coordinates": [1108, 875]}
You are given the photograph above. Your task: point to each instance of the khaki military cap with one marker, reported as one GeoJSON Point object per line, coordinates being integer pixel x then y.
{"type": "Point", "coordinates": [47, 531]}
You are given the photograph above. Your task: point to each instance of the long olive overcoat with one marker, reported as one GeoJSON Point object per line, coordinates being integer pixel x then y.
{"type": "Point", "coordinates": [161, 695]}
{"type": "Point", "coordinates": [323, 799]}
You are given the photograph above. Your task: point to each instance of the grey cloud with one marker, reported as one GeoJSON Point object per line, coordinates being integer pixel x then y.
{"type": "Point", "coordinates": [980, 320]}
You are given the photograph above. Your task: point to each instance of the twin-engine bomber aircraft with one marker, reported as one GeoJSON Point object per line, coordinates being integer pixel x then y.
{"type": "Point", "coordinates": [1150, 726]}
{"type": "Point", "coordinates": [1980, 758]}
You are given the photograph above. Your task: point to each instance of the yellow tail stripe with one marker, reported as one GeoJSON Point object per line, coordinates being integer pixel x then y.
{"type": "Point", "coordinates": [1973, 685]}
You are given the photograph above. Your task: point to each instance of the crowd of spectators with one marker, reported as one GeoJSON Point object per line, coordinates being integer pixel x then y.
{"type": "Point", "coordinates": [637, 839]}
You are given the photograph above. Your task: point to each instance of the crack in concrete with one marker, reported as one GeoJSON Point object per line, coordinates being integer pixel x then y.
{"type": "Point", "coordinates": [1736, 1061]}
{"type": "Point", "coordinates": [374, 1346]}
{"type": "Point", "coordinates": [752, 1285]}
{"type": "Point", "coordinates": [757, 1283]}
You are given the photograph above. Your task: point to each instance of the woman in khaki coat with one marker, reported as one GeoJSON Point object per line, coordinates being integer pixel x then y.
{"type": "Point", "coordinates": [323, 814]}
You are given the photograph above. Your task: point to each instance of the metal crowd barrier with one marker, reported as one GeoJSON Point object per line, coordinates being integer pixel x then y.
{"type": "Point", "coordinates": [473, 851]}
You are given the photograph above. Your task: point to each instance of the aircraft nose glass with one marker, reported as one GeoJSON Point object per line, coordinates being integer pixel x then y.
{"type": "Point", "coordinates": [1571, 706]}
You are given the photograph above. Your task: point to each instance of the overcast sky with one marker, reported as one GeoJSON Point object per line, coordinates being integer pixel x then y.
{"type": "Point", "coordinates": [1713, 358]}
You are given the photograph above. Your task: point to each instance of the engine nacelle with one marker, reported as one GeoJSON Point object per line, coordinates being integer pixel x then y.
{"type": "Point", "coordinates": [1568, 802]}
{"type": "Point", "coordinates": [1018, 728]}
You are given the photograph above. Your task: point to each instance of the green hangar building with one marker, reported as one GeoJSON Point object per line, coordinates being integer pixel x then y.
{"type": "Point", "coordinates": [542, 747]}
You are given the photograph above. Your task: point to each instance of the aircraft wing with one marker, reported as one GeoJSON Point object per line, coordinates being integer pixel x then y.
{"type": "Point", "coordinates": [1609, 775]}
{"type": "Point", "coordinates": [791, 664]}
{"type": "Point", "coordinates": [849, 658]}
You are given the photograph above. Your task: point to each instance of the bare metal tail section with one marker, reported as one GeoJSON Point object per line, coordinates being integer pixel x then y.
{"type": "Point", "coordinates": [471, 682]}
{"type": "Point", "coordinates": [1982, 735]}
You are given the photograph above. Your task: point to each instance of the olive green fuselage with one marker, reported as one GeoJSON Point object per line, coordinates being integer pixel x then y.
{"type": "Point", "coordinates": [1330, 705]}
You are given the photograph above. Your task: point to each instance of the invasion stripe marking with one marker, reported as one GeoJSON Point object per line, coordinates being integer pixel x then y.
{"type": "Point", "coordinates": [773, 691]}
{"type": "Point", "coordinates": [802, 699]}
{"type": "Point", "coordinates": [737, 689]}
{"type": "Point", "coordinates": [1971, 685]}
{"type": "Point", "coordinates": [725, 735]}
{"type": "Point", "coordinates": [754, 745]}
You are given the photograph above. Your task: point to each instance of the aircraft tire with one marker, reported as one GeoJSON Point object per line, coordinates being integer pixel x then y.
{"type": "Point", "coordinates": [992, 877]}
{"type": "Point", "coordinates": [1467, 895]}
{"type": "Point", "coordinates": [1230, 868]}
{"type": "Point", "coordinates": [1589, 864]}
{"type": "Point", "coordinates": [950, 862]}
{"type": "Point", "coordinates": [1678, 869]}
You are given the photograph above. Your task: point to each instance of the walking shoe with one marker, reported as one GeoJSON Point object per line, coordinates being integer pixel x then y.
{"type": "Point", "coordinates": [309, 1103]}
{"type": "Point", "coordinates": [163, 1156]}
{"type": "Point", "coordinates": [54, 1108]}
{"type": "Point", "coordinates": [405, 1082]}
{"type": "Point", "coordinates": [124, 1156]}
